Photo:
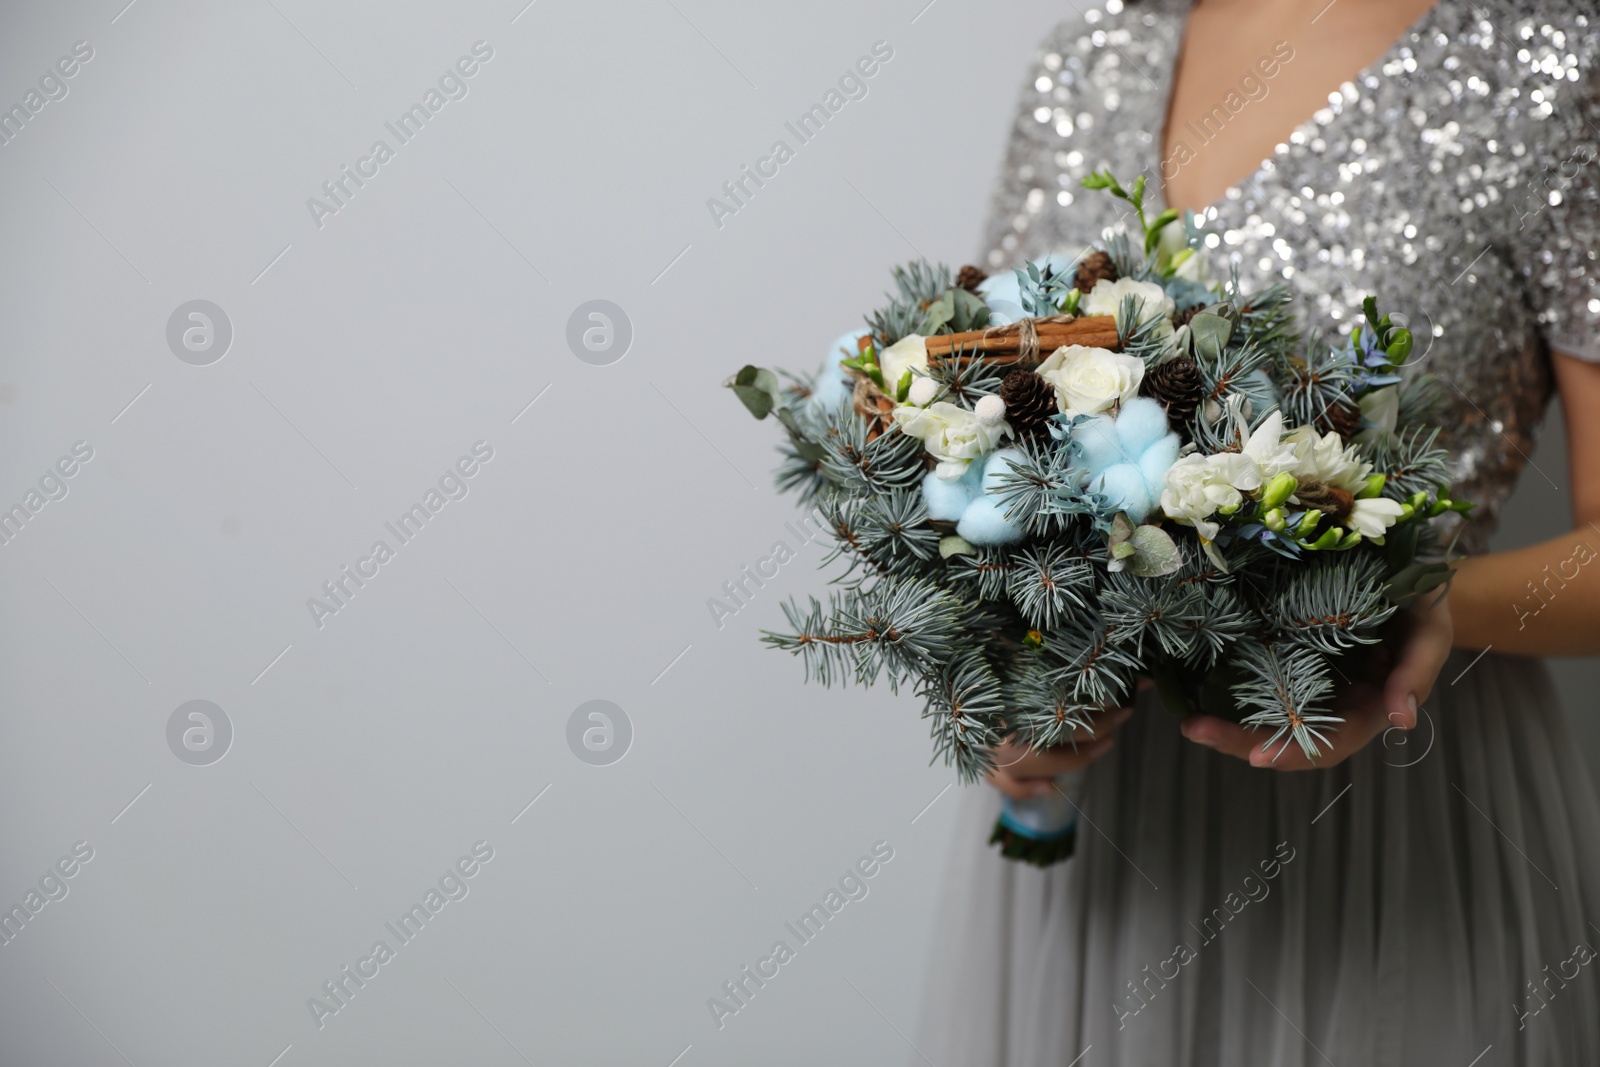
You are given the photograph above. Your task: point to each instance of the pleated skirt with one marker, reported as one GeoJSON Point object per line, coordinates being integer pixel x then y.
{"type": "Point", "coordinates": [1433, 900]}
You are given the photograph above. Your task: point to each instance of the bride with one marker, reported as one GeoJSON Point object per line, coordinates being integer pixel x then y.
{"type": "Point", "coordinates": [1434, 902]}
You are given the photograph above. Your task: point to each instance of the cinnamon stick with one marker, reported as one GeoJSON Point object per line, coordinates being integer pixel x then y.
{"type": "Point", "coordinates": [1003, 344]}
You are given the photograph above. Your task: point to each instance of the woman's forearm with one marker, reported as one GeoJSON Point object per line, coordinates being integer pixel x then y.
{"type": "Point", "coordinates": [1542, 600]}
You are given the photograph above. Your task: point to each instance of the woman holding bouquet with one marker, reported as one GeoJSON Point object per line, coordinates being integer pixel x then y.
{"type": "Point", "coordinates": [1431, 902]}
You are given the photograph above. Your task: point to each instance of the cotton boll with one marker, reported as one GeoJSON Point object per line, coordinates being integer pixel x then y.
{"type": "Point", "coordinates": [998, 466]}
{"type": "Point", "coordinates": [985, 524]}
{"type": "Point", "coordinates": [1123, 484]}
{"type": "Point", "coordinates": [845, 347]}
{"type": "Point", "coordinates": [833, 385]}
{"type": "Point", "coordinates": [1157, 460]}
{"type": "Point", "coordinates": [1004, 297]}
{"type": "Point", "coordinates": [1098, 444]}
{"type": "Point", "coordinates": [1141, 423]}
{"type": "Point", "coordinates": [947, 500]}
{"type": "Point", "coordinates": [832, 388]}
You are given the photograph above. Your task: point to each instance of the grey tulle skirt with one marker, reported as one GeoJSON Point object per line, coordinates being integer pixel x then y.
{"type": "Point", "coordinates": [1432, 902]}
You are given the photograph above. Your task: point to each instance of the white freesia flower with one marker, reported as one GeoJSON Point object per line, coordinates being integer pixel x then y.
{"type": "Point", "coordinates": [1371, 517]}
{"type": "Point", "coordinates": [1269, 450]}
{"type": "Point", "coordinates": [1196, 486]}
{"type": "Point", "coordinates": [1106, 299]}
{"type": "Point", "coordinates": [908, 353]}
{"type": "Point", "coordinates": [1091, 380]}
{"type": "Point", "coordinates": [1327, 459]}
{"type": "Point", "coordinates": [1380, 407]}
{"type": "Point", "coordinates": [952, 435]}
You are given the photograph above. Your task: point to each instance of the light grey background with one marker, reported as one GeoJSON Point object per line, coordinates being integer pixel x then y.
{"type": "Point", "coordinates": [368, 355]}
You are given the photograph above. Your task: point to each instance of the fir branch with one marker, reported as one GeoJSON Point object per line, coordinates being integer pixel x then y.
{"type": "Point", "coordinates": [966, 703]}
{"type": "Point", "coordinates": [888, 532]}
{"type": "Point", "coordinates": [1047, 582]}
{"type": "Point", "coordinates": [1316, 382]}
{"type": "Point", "coordinates": [1236, 370]}
{"type": "Point", "coordinates": [1090, 659]}
{"type": "Point", "coordinates": [1421, 400]}
{"type": "Point", "coordinates": [921, 282]}
{"type": "Point", "coordinates": [1290, 687]}
{"type": "Point", "coordinates": [1411, 462]}
{"type": "Point", "coordinates": [1266, 318]}
{"type": "Point", "coordinates": [1039, 490]}
{"type": "Point", "coordinates": [802, 476]}
{"type": "Point", "coordinates": [1222, 621]}
{"type": "Point", "coordinates": [1331, 606]}
{"type": "Point", "coordinates": [966, 377]}
{"type": "Point", "coordinates": [1143, 335]}
{"type": "Point", "coordinates": [891, 460]}
{"type": "Point", "coordinates": [986, 570]}
{"type": "Point", "coordinates": [1045, 712]}
{"type": "Point", "coordinates": [892, 322]}
{"type": "Point", "coordinates": [1140, 609]}
{"type": "Point", "coordinates": [1120, 249]}
{"type": "Point", "coordinates": [894, 630]}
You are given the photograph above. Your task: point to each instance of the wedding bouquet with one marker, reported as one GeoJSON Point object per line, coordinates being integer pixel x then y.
{"type": "Point", "coordinates": [1048, 485]}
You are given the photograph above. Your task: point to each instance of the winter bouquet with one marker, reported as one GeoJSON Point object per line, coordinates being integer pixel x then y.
{"type": "Point", "coordinates": [1048, 485]}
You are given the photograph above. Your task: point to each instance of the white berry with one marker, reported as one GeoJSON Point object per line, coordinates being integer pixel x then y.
{"type": "Point", "coordinates": [923, 390]}
{"type": "Point", "coordinates": [991, 410]}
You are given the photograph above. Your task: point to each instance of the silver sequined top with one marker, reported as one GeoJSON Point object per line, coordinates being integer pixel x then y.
{"type": "Point", "coordinates": [1456, 178]}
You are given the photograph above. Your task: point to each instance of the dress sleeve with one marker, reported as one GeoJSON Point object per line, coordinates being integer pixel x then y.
{"type": "Point", "coordinates": [1556, 218]}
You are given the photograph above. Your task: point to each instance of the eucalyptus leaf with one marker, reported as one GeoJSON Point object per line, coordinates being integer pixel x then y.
{"type": "Point", "coordinates": [757, 388]}
{"type": "Point", "coordinates": [954, 545]}
{"type": "Point", "coordinates": [1121, 528]}
{"type": "Point", "coordinates": [938, 315]}
{"type": "Point", "coordinates": [807, 448]}
{"type": "Point", "coordinates": [1155, 552]}
{"type": "Point", "coordinates": [1210, 332]}
{"type": "Point", "coordinates": [970, 312]}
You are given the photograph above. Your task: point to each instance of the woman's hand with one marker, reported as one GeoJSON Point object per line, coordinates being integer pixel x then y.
{"type": "Point", "coordinates": [1021, 773]}
{"type": "Point", "coordinates": [1368, 709]}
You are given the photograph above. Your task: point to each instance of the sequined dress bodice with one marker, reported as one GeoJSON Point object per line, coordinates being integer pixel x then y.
{"type": "Point", "coordinates": [1456, 178]}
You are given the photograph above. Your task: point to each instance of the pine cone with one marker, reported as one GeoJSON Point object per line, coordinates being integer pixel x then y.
{"type": "Point", "coordinates": [1182, 318]}
{"type": "Point", "coordinates": [1342, 418]}
{"type": "Point", "coordinates": [1095, 266]}
{"type": "Point", "coordinates": [1176, 386]}
{"type": "Point", "coordinates": [969, 278]}
{"type": "Point", "coordinates": [1030, 402]}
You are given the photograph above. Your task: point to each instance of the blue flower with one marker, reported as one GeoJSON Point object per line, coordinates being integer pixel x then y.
{"type": "Point", "coordinates": [1127, 457]}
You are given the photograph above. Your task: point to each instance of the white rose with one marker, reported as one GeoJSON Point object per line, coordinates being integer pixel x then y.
{"type": "Point", "coordinates": [1381, 407]}
{"type": "Point", "coordinates": [1090, 380]}
{"type": "Point", "coordinates": [952, 435]}
{"type": "Point", "coordinates": [1106, 299]}
{"type": "Point", "coordinates": [1196, 486]}
{"type": "Point", "coordinates": [1327, 459]}
{"type": "Point", "coordinates": [908, 353]}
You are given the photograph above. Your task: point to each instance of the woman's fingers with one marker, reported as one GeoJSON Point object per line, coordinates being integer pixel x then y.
{"type": "Point", "coordinates": [1226, 737]}
{"type": "Point", "coordinates": [1422, 658]}
{"type": "Point", "coordinates": [1021, 772]}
